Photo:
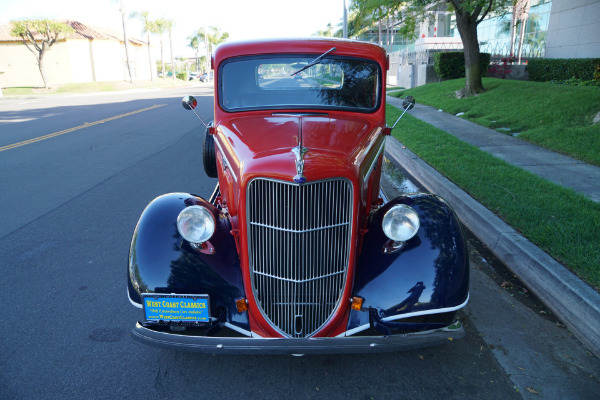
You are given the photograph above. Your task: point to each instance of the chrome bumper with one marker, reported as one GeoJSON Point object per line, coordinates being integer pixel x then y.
{"type": "Point", "coordinates": [335, 345]}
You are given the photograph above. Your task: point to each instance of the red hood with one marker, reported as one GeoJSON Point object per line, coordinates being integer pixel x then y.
{"type": "Point", "coordinates": [259, 145]}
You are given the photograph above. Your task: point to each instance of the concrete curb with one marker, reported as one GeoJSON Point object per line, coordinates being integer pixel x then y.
{"type": "Point", "coordinates": [571, 299]}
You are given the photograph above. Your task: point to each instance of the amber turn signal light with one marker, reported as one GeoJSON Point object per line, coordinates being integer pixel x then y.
{"type": "Point", "coordinates": [357, 303]}
{"type": "Point", "coordinates": [241, 304]}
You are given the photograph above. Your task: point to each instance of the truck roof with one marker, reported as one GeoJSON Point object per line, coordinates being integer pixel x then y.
{"type": "Point", "coordinates": [301, 46]}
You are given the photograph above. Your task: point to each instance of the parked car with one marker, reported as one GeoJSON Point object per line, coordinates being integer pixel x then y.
{"type": "Point", "coordinates": [193, 76]}
{"type": "Point", "coordinates": [297, 250]}
{"type": "Point", "coordinates": [205, 77]}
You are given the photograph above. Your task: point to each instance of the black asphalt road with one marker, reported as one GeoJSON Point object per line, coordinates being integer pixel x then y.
{"type": "Point", "coordinates": [68, 206]}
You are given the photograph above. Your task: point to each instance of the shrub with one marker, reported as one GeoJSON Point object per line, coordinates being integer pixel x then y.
{"type": "Point", "coordinates": [576, 82]}
{"type": "Point", "coordinates": [561, 69]}
{"type": "Point", "coordinates": [500, 69]}
{"type": "Point", "coordinates": [182, 75]}
{"type": "Point", "coordinates": [451, 65]}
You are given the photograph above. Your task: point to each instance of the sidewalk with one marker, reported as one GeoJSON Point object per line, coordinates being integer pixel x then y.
{"type": "Point", "coordinates": [571, 299]}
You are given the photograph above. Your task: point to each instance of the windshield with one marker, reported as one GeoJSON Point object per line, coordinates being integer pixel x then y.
{"type": "Point", "coordinates": [274, 83]}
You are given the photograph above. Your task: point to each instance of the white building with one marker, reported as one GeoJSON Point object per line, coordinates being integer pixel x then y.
{"type": "Point", "coordinates": [554, 29]}
{"type": "Point", "coordinates": [87, 54]}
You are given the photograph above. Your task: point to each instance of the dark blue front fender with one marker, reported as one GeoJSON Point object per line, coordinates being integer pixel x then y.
{"type": "Point", "coordinates": [161, 261]}
{"type": "Point", "coordinates": [428, 275]}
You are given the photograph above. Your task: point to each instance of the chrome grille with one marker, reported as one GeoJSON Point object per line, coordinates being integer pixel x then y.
{"type": "Point", "coordinates": [299, 247]}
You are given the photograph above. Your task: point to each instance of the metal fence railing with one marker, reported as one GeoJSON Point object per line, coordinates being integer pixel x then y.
{"type": "Point", "coordinates": [497, 52]}
{"type": "Point", "coordinates": [528, 51]}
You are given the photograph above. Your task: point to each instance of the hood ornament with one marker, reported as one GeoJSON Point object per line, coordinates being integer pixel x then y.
{"type": "Point", "coordinates": [299, 151]}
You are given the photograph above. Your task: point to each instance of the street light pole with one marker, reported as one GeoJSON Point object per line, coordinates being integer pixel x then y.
{"type": "Point", "coordinates": [126, 40]}
{"type": "Point", "coordinates": [345, 21]}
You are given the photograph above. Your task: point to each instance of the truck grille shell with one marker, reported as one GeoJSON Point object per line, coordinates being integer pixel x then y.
{"type": "Point", "coordinates": [299, 247]}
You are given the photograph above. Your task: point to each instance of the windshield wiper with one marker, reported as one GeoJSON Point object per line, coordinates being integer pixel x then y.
{"type": "Point", "coordinates": [314, 62]}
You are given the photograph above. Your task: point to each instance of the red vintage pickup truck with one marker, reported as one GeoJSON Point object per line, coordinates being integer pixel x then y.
{"type": "Point", "coordinates": [297, 251]}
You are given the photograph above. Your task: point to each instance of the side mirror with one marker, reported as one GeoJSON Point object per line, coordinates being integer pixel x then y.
{"type": "Point", "coordinates": [408, 103]}
{"type": "Point", "coordinates": [189, 102]}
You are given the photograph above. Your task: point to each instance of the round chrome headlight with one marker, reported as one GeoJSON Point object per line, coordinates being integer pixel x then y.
{"type": "Point", "coordinates": [196, 224]}
{"type": "Point", "coordinates": [400, 223]}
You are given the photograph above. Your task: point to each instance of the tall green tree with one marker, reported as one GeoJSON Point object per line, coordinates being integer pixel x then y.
{"type": "Point", "coordinates": [38, 36]}
{"type": "Point", "coordinates": [358, 23]}
{"type": "Point", "coordinates": [375, 12]}
{"type": "Point", "coordinates": [469, 13]}
{"type": "Point", "coordinates": [148, 27]}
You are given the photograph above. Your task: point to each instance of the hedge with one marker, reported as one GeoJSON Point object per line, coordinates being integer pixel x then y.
{"type": "Point", "coordinates": [560, 69]}
{"type": "Point", "coordinates": [451, 65]}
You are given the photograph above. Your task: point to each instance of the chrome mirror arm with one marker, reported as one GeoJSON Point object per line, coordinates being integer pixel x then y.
{"type": "Point", "coordinates": [407, 104]}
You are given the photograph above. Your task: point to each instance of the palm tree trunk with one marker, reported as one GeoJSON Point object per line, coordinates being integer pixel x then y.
{"type": "Point", "coordinates": [171, 48]}
{"type": "Point", "coordinates": [523, 17]}
{"type": "Point", "coordinates": [162, 59]}
{"type": "Point", "coordinates": [150, 59]}
{"type": "Point", "coordinates": [513, 30]}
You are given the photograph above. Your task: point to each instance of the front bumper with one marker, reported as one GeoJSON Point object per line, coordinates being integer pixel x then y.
{"type": "Point", "coordinates": [334, 345]}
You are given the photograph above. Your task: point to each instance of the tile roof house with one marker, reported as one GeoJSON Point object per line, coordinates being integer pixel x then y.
{"type": "Point", "coordinates": [87, 54]}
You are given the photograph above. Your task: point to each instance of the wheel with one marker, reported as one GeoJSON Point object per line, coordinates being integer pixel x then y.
{"type": "Point", "coordinates": [209, 157]}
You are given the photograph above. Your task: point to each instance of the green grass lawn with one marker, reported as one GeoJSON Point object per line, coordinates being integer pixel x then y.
{"type": "Point", "coordinates": [556, 117]}
{"type": "Point", "coordinates": [564, 224]}
{"type": "Point", "coordinates": [17, 91]}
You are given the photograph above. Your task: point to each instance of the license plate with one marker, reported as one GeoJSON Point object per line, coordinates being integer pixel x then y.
{"type": "Point", "coordinates": [176, 307]}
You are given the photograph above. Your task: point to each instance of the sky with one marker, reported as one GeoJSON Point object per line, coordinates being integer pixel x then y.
{"type": "Point", "coordinates": [242, 19]}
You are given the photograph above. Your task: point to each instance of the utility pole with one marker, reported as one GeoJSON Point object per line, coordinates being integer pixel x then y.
{"type": "Point", "coordinates": [126, 40]}
{"type": "Point", "coordinates": [345, 21]}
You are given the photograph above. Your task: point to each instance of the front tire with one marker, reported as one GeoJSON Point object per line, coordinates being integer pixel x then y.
{"type": "Point", "coordinates": [209, 157]}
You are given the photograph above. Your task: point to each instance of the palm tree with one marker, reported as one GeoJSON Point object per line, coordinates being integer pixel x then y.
{"type": "Point", "coordinates": [148, 27]}
{"type": "Point", "coordinates": [327, 32]}
{"type": "Point", "coordinates": [202, 37]}
{"type": "Point", "coordinates": [211, 39]}
{"type": "Point", "coordinates": [215, 37]}
{"type": "Point", "coordinates": [194, 43]}
{"type": "Point", "coordinates": [169, 26]}
{"type": "Point", "coordinates": [161, 28]}
{"type": "Point", "coordinates": [523, 10]}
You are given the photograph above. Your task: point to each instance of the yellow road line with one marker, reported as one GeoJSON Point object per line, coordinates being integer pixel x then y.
{"type": "Point", "coordinates": [86, 125]}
